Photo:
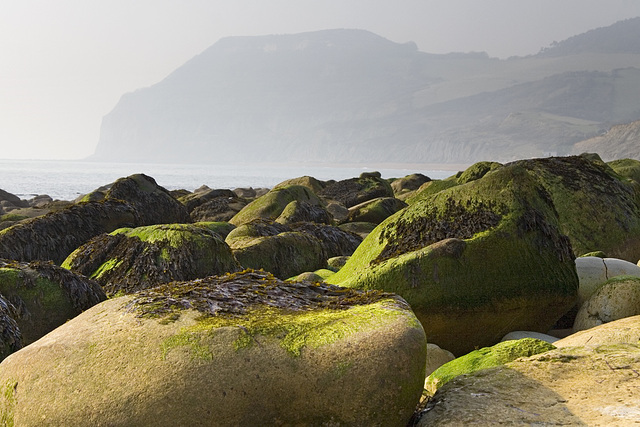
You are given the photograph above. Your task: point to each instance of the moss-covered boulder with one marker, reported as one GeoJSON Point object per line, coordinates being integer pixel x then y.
{"type": "Point", "coordinates": [45, 296]}
{"type": "Point", "coordinates": [218, 209]}
{"type": "Point", "coordinates": [362, 229]}
{"type": "Point", "coordinates": [243, 349]}
{"type": "Point", "coordinates": [55, 235]}
{"type": "Point", "coordinates": [484, 358]}
{"type": "Point", "coordinates": [597, 209]}
{"type": "Point", "coordinates": [301, 211]}
{"type": "Point", "coordinates": [131, 259]}
{"type": "Point", "coordinates": [628, 168]}
{"type": "Point", "coordinates": [10, 335]}
{"type": "Point", "coordinates": [430, 188]}
{"type": "Point", "coordinates": [154, 204]}
{"type": "Point", "coordinates": [408, 183]}
{"type": "Point", "coordinates": [616, 299]}
{"type": "Point", "coordinates": [476, 171]}
{"type": "Point", "coordinates": [474, 261]}
{"type": "Point", "coordinates": [203, 195]}
{"type": "Point", "coordinates": [288, 250]}
{"type": "Point", "coordinates": [310, 182]}
{"type": "Point", "coordinates": [353, 191]}
{"type": "Point", "coordinates": [375, 211]}
{"type": "Point", "coordinates": [578, 386]}
{"type": "Point", "coordinates": [272, 204]}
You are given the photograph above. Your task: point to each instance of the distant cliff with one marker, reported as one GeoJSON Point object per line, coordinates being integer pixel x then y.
{"type": "Point", "coordinates": [620, 142]}
{"type": "Point", "coordinates": [351, 96]}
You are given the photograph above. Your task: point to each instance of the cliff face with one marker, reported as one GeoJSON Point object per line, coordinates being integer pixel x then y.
{"type": "Point", "coordinates": [350, 95]}
{"type": "Point", "coordinates": [620, 142]}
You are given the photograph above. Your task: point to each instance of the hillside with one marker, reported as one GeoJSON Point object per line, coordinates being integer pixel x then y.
{"type": "Point", "coordinates": [353, 96]}
{"type": "Point", "coordinates": [620, 142]}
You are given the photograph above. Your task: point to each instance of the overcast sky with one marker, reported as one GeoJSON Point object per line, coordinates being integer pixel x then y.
{"type": "Point", "coordinates": [64, 64]}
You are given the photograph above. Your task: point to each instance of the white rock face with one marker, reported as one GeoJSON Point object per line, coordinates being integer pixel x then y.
{"type": "Point", "coordinates": [593, 272]}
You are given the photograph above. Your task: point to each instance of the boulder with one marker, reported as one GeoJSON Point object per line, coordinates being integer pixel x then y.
{"type": "Point", "coordinates": [376, 210]}
{"type": "Point", "coordinates": [337, 262]}
{"type": "Point", "coordinates": [45, 296]}
{"type": "Point", "coordinates": [628, 168]}
{"type": "Point", "coordinates": [55, 235]}
{"type": "Point", "coordinates": [12, 199]}
{"type": "Point", "coordinates": [272, 204]}
{"type": "Point", "coordinates": [475, 261]}
{"type": "Point", "coordinates": [625, 330]}
{"type": "Point", "coordinates": [338, 211]}
{"type": "Point", "coordinates": [306, 181]}
{"type": "Point", "coordinates": [218, 209]}
{"type": "Point", "coordinates": [518, 335]}
{"type": "Point", "coordinates": [250, 193]}
{"type": "Point", "coordinates": [597, 209]}
{"type": "Point", "coordinates": [476, 171]}
{"type": "Point", "coordinates": [593, 272]}
{"type": "Point", "coordinates": [567, 386]}
{"type": "Point", "coordinates": [131, 259]}
{"type": "Point", "coordinates": [408, 183]}
{"type": "Point", "coordinates": [243, 349]}
{"type": "Point", "coordinates": [203, 195]}
{"type": "Point", "coordinates": [436, 357]}
{"type": "Point", "coordinates": [362, 229]}
{"type": "Point", "coordinates": [288, 250]}
{"type": "Point", "coordinates": [10, 335]}
{"type": "Point", "coordinates": [353, 191]}
{"type": "Point", "coordinates": [299, 211]}
{"type": "Point", "coordinates": [484, 358]}
{"type": "Point", "coordinates": [154, 203]}
{"type": "Point", "coordinates": [616, 299]}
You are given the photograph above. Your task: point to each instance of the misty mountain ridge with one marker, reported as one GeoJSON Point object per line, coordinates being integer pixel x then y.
{"type": "Point", "coordinates": [353, 96]}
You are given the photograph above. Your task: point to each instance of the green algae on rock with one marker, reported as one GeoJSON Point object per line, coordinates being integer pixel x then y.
{"type": "Point", "coordinates": [211, 350]}
{"type": "Point", "coordinates": [597, 209]}
{"type": "Point", "coordinates": [291, 249]}
{"type": "Point", "coordinates": [131, 259]}
{"type": "Point", "coordinates": [505, 267]}
{"type": "Point", "coordinates": [484, 358]}
{"type": "Point", "coordinates": [45, 296]}
{"type": "Point", "coordinates": [353, 191]}
{"type": "Point", "coordinates": [375, 210]}
{"type": "Point", "coordinates": [271, 205]}
{"type": "Point", "coordinates": [55, 235]}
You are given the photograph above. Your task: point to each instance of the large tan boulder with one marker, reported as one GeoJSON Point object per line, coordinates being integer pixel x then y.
{"type": "Point", "coordinates": [595, 386]}
{"type": "Point", "coordinates": [626, 330]}
{"type": "Point", "coordinates": [251, 350]}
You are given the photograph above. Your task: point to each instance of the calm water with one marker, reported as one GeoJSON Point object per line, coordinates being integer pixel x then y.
{"type": "Point", "coordinates": [66, 180]}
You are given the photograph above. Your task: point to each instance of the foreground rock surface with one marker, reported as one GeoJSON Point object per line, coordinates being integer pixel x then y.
{"type": "Point", "coordinates": [300, 354]}
{"type": "Point", "coordinates": [595, 386]}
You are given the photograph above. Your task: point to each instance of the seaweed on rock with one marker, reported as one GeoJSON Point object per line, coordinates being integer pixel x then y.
{"type": "Point", "coordinates": [458, 219]}
{"type": "Point", "coordinates": [236, 294]}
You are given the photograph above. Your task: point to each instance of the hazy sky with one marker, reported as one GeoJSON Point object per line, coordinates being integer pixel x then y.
{"type": "Point", "coordinates": [65, 63]}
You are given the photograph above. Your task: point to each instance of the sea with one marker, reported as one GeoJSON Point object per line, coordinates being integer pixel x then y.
{"type": "Point", "coordinates": [67, 180]}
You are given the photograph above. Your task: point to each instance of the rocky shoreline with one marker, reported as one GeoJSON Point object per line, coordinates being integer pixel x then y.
{"type": "Point", "coordinates": [364, 301]}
